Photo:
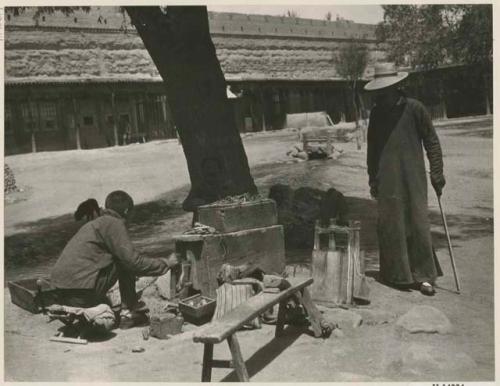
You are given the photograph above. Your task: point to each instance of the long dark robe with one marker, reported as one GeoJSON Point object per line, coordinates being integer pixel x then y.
{"type": "Point", "coordinates": [396, 168]}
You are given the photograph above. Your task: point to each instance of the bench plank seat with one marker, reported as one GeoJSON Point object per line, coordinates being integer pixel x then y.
{"type": "Point", "coordinates": [226, 327]}
{"type": "Point", "coordinates": [218, 330]}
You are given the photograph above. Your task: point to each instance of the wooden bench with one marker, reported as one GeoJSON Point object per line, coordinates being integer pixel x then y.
{"type": "Point", "coordinates": [226, 327]}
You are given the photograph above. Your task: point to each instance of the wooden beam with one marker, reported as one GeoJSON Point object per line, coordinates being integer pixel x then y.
{"type": "Point", "coordinates": [222, 364]}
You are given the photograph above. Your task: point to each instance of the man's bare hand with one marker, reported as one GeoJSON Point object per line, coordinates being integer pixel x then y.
{"type": "Point", "coordinates": [172, 260]}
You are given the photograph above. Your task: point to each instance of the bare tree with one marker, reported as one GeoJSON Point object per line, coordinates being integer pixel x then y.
{"type": "Point", "coordinates": [350, 64]}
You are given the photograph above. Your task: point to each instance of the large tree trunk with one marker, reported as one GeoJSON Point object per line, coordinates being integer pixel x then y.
{"type": "Point", "coordinates": [179, 42]}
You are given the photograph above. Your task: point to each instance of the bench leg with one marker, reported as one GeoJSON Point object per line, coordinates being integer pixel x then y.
{"type": "Point", "coordinates": [280, 322]}
{"type": "Point", "coordinates": [238, 362]}
{"type": "Point", "coordinates": [314, 314]}
{"type": "Point", "coordinates": [206, 371]}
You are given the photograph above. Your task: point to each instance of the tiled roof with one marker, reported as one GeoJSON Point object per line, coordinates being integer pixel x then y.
{"type": "Point", "coordinates": [248, 47]}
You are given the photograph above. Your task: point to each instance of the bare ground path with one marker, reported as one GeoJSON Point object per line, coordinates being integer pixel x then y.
{"type": "Point", "coordinates": [370, 352]}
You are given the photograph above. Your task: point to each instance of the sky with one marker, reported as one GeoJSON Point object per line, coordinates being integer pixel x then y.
{"type": "Point", "coordinates": [371, 14]}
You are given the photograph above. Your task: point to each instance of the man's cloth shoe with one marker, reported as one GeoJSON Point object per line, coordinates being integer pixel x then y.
{"type": "Point", "coordinates": [129, 319]}
{"type": "Point", "coordinates": [427, 289]}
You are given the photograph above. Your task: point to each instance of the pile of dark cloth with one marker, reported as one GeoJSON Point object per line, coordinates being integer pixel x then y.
{"type": "Point", "coordinates": [298, 211]}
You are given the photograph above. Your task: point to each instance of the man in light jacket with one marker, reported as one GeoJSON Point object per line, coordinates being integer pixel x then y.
{"type": "Point", "coordinates": [100, 254]}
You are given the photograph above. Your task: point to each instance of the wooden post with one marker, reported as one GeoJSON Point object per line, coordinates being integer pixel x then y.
{"type": "Point", "coordinates": [208, 353]}
{"type": "Point", "coordinates": [61, 127]}
{"type": "Point", "coordinates": [115, 117]}
{"type": "Point", "coordinates": [133, 113]}
{"type": "Point", "coordinates": [238, 362]}
{"type": "Point", "coordinates": [263, 109]}
{"type": "Point", "coordinates": [486, 94]}
{"type": "Point", "coordinates": [314, 314]}
{"type": "Point", "coordinates": [280, 322]}
{"type": "Point", "coordinates": [99, 121]}
{"type": "Point", "coordinates": [32, 129]}
{"type": "Point", "coordinates": [164, 115]}
{"type": "Point", "coordinates": [76, 124]}
{"type": "Point", "coordinates": [145, 106]}
{"type": "Point", "coordinates": [39, 124]}
{"type": "Point", "coordinates": [442, 97]}
{"type": "Point", "coordinates": [33, 141]}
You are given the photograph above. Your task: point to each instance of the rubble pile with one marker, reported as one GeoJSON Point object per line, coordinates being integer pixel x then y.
{"type": "Point", "coordinates": [9, 180]}
{"type": "Point", "coordinates": [238, 199]}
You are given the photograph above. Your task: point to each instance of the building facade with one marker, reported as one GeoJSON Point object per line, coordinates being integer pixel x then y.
{"type": "Point", "coordinates": [86, 81]}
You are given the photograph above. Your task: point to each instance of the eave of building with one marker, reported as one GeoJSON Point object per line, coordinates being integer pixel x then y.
{"type": "Point", "coordinates": [270, 35]}
{"type": "Point", "coordinates": [122, 80]}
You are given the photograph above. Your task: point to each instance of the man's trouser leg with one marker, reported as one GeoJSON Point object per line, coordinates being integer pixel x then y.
{"type": "Point", "coordinates": [106, 278]}
{"type": "Point", "coordinates": [126, 281]}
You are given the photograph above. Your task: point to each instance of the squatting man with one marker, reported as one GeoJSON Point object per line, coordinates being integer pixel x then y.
{"type": "Point", "coordinates": [100, 254]}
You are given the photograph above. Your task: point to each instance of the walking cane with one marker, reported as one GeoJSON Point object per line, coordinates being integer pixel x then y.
{"type": "Point", "coordinates": [449, 244]}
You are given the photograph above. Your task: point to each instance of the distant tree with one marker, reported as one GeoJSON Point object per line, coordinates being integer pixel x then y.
{"type": "Point", "coordinates": [291, 13]}
{"type": "Point", "coordinates": [427, 36]}
{"type": "Point", "coordinates": [328, 16]}
{"type": "Point", "coordinates": [435, 34]}
{"type": "Point", "coordinates": [350, 64]}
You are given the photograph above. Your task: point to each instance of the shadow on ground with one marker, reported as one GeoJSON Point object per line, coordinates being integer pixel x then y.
{"type": "Point", "coordinates": [35, 248]}
{"type": "Point", "coordinates": [266, 354]}
{"type": "Point", "coordinates": [40, 242]}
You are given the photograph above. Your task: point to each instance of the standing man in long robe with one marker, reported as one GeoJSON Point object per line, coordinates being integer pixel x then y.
{"type": "Point", "coordinates": [398, 128]}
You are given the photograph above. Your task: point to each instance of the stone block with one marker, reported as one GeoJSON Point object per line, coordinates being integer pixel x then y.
{"type": "Point", "coordinates": [263, 247]}
{"type": "Point", "coordinates": [227, 218]}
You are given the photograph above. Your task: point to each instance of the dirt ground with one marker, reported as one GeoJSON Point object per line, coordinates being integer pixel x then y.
{"type": "Point", "coordinates": [39, 221]}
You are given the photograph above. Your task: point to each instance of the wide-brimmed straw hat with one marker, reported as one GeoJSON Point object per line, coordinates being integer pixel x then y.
{"type": "Point", "coordinates": [385, 75]}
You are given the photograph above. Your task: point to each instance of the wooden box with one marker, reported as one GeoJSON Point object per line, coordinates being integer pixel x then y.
{"type": "Point", "coordinates": [241, 216]}
{"type": "Point", "coordinates": [24, 293]}
{"type": "Point", "coordinates": [197, 309]}
{"type": "Point", "coordinates": [265, 247]}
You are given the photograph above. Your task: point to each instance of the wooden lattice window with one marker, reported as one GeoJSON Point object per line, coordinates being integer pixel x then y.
{"type": "Point", "coordinates": [29, 113]}
{"type": "Point", "coordinates": [8, 119]}
{"type": "Point", "coordinates": [48, 116]}
{"type": "Point", "coordinates": [88, 120]}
